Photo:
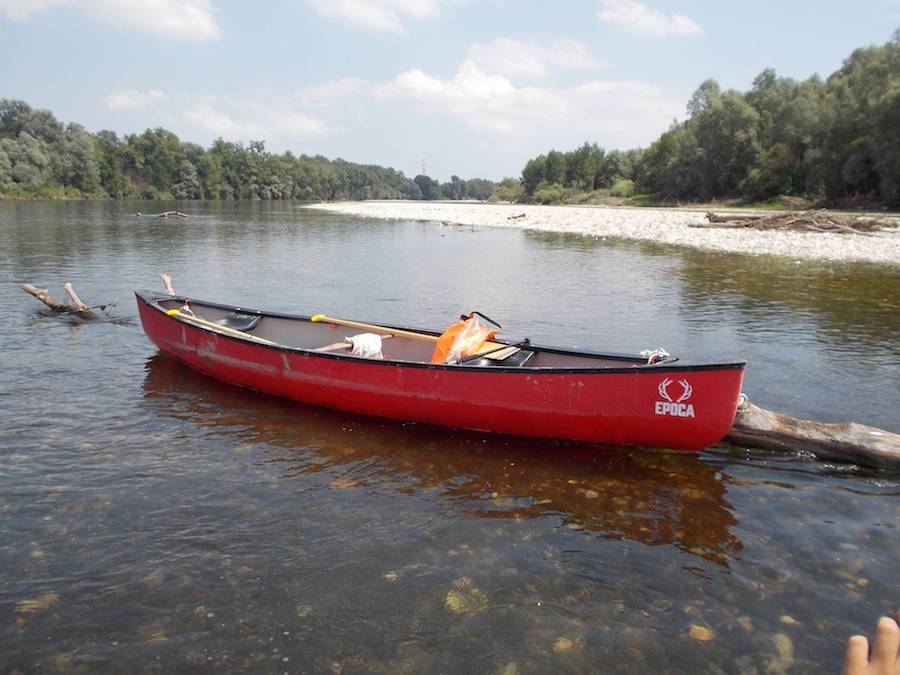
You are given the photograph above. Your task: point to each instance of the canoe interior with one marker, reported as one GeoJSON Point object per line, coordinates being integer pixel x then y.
{"type": "Point", "coordinates": [298, 332]}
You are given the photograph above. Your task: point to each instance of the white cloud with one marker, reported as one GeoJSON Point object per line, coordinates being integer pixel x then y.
{"type": "Point", "coordinates": [639, 19]}
{"type": "Point", "coordinates": [19, 10]}
{"type": "Point", "coordinates": [616, 113]}
{"type": "Point", "coordinates": [180, 19]}
{"type": "Point", "coordinates": [260, 119]}
{"type": "Point", "coordinates": [334, 91]}
{"type": "Point", "coordinates": [132, 99]}
{"type": "Point", "coordinates": [203, 116]}
{"type": "Point", "coordinates": [515, 58]}
{"type": "Point", "coordinates": [481, 99]}
{"type": "Point", "coordinates": [380, 15]}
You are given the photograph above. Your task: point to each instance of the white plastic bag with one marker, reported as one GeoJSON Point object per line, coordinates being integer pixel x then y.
{"type": "Point", "coordinates": [366, 344]}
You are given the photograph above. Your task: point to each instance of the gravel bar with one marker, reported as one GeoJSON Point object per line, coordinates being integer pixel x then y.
{"type": "Point", "coordinates": [660, 225]}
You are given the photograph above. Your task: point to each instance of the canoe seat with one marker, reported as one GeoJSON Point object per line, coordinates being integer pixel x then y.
{"type": "Point", "coordinates": [238, 321]}
{"type": "Point", "coordinates": [515, 360]}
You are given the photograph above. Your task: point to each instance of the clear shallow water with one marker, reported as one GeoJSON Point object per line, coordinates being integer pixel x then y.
{"type": "Point", "coordinates": [154, 520]}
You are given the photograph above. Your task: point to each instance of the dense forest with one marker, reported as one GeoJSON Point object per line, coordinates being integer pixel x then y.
{"type": "Point", "coordinates": [836, 141]}
{"type": "Point", "coordinates": [41, 157]}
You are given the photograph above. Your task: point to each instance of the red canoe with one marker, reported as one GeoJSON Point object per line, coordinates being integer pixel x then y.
{"type": "Point", "coordinates": [520, 389]}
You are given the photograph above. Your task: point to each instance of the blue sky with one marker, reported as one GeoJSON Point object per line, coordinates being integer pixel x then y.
{"type": "Point", "coordinates": [473, 87]}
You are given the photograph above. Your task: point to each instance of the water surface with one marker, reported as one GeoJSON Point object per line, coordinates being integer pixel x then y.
{"type": "Point", "coordinates": [154, 520]}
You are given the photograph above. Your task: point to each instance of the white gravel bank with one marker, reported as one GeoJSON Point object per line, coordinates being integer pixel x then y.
{"type": "Point", "coordinates": [669, 226]}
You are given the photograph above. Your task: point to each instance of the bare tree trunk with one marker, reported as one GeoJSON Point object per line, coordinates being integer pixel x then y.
{"type": "Point", "coordinates": [44, 296]}
{"type": "Point", "coordinates": [167, 282]}
{"type": "Point", "coordinates": [852, 442]}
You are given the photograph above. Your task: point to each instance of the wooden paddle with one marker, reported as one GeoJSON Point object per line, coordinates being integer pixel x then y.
{"type": "Point", "coordinates": [381, 330]}
{"type": "Point", "coordinates": [220, 328]}
{"type": "Point", "coordinates": [397, 332]}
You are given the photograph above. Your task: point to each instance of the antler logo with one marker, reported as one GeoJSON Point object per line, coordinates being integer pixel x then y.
{"type": "Point", "coordinates": [686, 390]}
{"type": "Point", "coordinates": [674, 407]}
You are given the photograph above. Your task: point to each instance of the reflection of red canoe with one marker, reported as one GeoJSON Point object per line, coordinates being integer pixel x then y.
{"type": "Point", "coordinates": [537, 391]}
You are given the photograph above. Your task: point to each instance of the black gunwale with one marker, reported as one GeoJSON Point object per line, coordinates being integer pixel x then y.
{"type": "Point", "coordinates": [153, 298]}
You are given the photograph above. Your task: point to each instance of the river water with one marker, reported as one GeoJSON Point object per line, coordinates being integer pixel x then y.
{"type": "Point", "coordinates": [153, 520]}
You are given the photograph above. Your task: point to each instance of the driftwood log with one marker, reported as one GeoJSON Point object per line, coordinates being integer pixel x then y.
{"type": "Point", "coordinates": [73, 306]}
{"type": "Point", "coordinates": [857, 443]}
{"type": "Point", "coordinates": [819, 220]}
{"type": "Point", "coordinates": [164, 214]}
{"type": "Point", "coordinates": [167, 283]}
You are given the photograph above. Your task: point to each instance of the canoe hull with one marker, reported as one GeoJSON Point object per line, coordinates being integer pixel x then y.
{"type": "Point", "coordinates": [678, 407]}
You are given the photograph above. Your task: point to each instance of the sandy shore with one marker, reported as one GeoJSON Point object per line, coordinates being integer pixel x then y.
{"type": "Point", "coordinates": [668, 226]}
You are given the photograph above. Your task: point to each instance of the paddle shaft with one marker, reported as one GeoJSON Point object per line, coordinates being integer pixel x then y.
{"type": "Point", "coordinates": [219, 328]}
{"type": "Point", "coordinates": [381, 330]}
{"type": "Point", "coordinates": [398, 332]}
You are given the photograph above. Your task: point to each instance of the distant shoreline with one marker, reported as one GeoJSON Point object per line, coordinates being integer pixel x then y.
{"type": "Point", "coordinates": [659, 225]}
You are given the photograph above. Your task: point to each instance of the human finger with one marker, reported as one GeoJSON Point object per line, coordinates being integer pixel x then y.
{"type": "Point", "coordinates": [887, 643]}
{"type": "Point", "coordinates": [856, 659]}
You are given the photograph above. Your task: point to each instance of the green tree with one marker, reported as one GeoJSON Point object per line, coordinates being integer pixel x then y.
{"type": "Point", "coordinates": [29, 162]}
{"type": "Point", "coordinates": [78, 166]}
{"type": "Point", "coordinates": [725, 127]}
{"type": "Point", "coordinates": [429, 189]}
{"type": "Point", "coordinates": [555, 168]}
{"type": "Point", "coordinates": [480, 188]}
{"type": "Point", "coordinates": [533, 174]}
{"type": "Point", "coordinates": [188, 184]}
{"type": "Point", "coordinates": [583, 165]}
{"type": "Point", "coordinates": [509, 190]}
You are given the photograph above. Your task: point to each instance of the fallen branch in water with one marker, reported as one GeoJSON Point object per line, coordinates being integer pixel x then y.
{"type": "Point", "coordinates": [167, 282]}
{"type": "Point", "coordinates": [164, 214]}
{"type": "Point", "coordinates": [808, 221]}
{"type": "Point", "coordinates": [73, 306]}
{"type": "Point", "coordinates": [852, 442]}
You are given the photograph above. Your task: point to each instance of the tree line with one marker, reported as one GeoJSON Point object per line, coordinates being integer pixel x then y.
{"type": "Point", "coordinates": [41, 157]}
{"type": "Point", "coordinates": [836, 140]}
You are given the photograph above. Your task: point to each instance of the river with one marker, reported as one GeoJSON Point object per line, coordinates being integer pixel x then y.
{"type": "Point", "coordinates": [153, 520]}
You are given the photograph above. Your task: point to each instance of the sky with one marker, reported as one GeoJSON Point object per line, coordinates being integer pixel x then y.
{"type": "Point", "coordinates": [473, 88]}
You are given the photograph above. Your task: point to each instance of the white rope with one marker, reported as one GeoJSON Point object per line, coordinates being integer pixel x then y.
{"type": "Point", "coordinates": [655, 355]}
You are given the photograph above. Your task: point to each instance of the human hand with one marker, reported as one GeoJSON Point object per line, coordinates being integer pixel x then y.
{"type": "Point", "coordinates": [885, 659]}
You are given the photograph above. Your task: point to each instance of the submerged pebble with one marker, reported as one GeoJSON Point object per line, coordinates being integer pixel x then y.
{"type": "Point", "coordinates": [783, 645]}
{"type": "Point", "coordinates": [38, 604]}
{"type": "Point", "coordinates": [465, 598]}
{"type": "Point", "coordinates": [563, 645]}
{"type": "Point", "coordinates": [701, 633]}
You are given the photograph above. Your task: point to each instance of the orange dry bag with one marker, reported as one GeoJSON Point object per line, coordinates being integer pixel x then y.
{"type": "Point", "coordinates": [464, 338]}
